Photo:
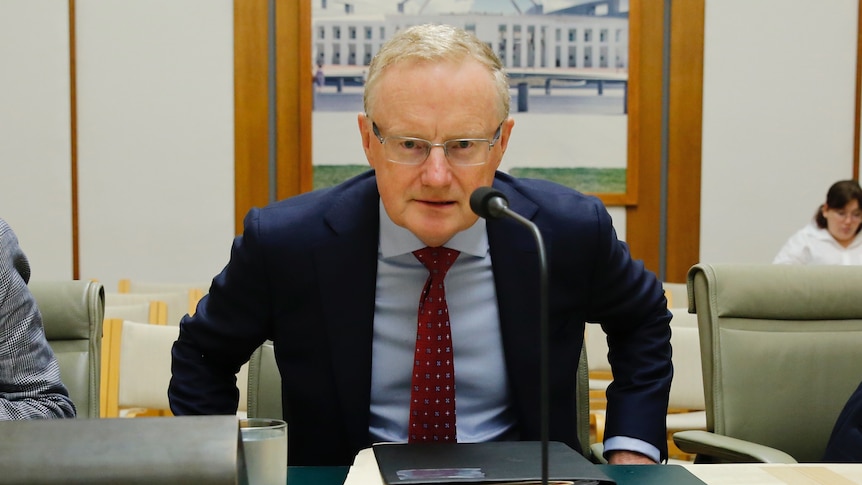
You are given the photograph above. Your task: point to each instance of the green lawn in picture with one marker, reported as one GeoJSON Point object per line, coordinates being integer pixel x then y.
{"type": "Point", "coordinates": [329, 175]}
{"type": "Point", "coordinates": [589, 180]}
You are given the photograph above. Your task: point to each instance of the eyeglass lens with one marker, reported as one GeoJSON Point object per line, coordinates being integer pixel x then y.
{"type": "Point", "coordinates": [414, 151]}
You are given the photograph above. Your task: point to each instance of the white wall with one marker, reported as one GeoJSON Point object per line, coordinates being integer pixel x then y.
{"type": "Point", "coordinates": [35, 153]}
{"type": "Point", "coordinates": [155, 136]}
{"type": "Point", "coordinates": [778, 120]}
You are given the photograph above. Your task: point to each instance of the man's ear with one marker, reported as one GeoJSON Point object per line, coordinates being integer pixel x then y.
{"type": "Point", "coordinates": [365, 132]}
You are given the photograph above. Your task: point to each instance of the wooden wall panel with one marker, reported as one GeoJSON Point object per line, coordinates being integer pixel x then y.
{"type": "Point", "coordinates": [684, 150]}
{"type": "Point", "coordinates": [644, 133]}
{"type": "Point", "coordinates": [294, 100]}
{"type": "Point", "coordinates": [251, 128]}
{"type": "Point", "coordinates": [643, 220]}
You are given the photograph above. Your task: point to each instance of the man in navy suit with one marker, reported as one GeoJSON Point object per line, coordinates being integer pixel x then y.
{"type": "Point", "coordinates": [845, 444]}
{"type": "Point", "coordinates": [330, 277]}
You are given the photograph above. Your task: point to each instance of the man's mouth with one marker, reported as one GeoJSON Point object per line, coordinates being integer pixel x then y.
{"type": "Point", "coordinates": [438, 203]}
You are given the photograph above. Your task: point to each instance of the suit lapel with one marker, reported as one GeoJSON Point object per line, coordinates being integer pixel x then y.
{"type": "Point", "coordinates": [347, 276]}
{"type": "Point", "coordinates": [516, 275]}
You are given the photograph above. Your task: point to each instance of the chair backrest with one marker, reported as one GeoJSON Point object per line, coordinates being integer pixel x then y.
{"type": "Point", "coordinates": [177, 302]}
{"type": "Point", "coordinates": [150, 312]}
{"type": "Point", "coordinates": [264, 391]}
{"type": "Point", "coordinates": [72, 313]}
{"type": "Point", "coordinates": [139, 365]}
{"type": "Point", "coordinates": [194, 291]}
{"type": "Point", "coordinates": [686, 389]}
{"type": "Point", "coordinates": [780, 350]}
{"type": "Point", "coordinates": [676, 294]}
{"type": "Point", "coordinates": [264, 384]}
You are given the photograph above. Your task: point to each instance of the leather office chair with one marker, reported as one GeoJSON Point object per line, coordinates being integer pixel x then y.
{"type": "Point", "coordinates": [264, 384]}
{"type": "Point", "coordinates": [264, 392]}
{"type": "Point", "coordinates": [780, 356]}
{"type": "Point", "coordinates": [72, 314]}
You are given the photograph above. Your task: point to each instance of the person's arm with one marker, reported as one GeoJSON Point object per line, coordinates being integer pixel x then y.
{"type": "Point", "coordinates": [629, 304]}
{"type": "Point", "coordinates": [227, 326]}
{"type": "Point", "coordinates": [30, 386]}
{"type": "Point", "coordinates": [794, 251]}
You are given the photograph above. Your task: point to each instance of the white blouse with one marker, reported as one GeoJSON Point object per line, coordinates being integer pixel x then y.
{"type": "Point", "coordinates": [812, 245]}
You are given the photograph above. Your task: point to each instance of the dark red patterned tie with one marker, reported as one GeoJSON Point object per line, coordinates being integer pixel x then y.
{"type": "Point", "coordinates": [432, 397]}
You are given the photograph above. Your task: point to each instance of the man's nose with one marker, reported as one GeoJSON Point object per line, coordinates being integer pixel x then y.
{"type": "Point", "coordinates": [437, 169]}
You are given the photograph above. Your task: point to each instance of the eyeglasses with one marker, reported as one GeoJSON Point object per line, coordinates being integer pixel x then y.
{"type": "Point", "coordinates": [462, 152]}
{"type": "Point", "coordinates": [855, 216]}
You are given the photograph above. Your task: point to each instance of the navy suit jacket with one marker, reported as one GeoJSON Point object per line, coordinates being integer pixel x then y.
{"type": "Point", "coordinates": [304, 273]}
{"type": "Point", "coordinates": [845, 444]}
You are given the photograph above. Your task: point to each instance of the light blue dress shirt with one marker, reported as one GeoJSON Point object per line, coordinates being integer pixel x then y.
{"type": "Point", "coordinates": [482, 395]}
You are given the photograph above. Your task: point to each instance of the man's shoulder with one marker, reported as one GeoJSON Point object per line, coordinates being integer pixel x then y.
{"type": "Point", "coordinates": [356, 193]}
{"type": "Point", "coordinates": [541, 190]}
{"type": "Point", "coordinates": [347, 208]}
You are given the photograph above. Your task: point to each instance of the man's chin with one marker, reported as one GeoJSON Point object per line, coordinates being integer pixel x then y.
{"type": "Point", "coordinates": [433, 235]}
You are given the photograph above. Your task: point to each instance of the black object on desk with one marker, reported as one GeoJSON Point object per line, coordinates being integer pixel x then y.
{"type": "Point", "coordinates": [490, 462]}
{"type": "Point", "coordinates": [623, 474]}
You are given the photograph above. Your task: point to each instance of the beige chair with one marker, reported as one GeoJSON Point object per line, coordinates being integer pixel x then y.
{"type": "Point", "coordinates": [72, 316]}
{"type": "Point", "coordinates": [150, 312]}
{"type": "Point", "coordinates": [685, 404]}
{"type": "Point", "coordinates": [264, 391]}
{"type": "Point", "coordinates": [194, 291]}
{"type": "Point", "coordinates": [600, 377]}
{"type": "Point", "coordinates": [686, 407]}
{"type": "Point", "coordinates": [676, 294]}
{"type": "Point", "coordinates": [780, 349]}
{"type": "Point", "coordinates": [154, 312]}
{"type": "Point", "coordinates": [176, 303]}
{"type": "Point", "coordinates": [138, 363]}
{"type": "Point", "coordinates": [139, 368]}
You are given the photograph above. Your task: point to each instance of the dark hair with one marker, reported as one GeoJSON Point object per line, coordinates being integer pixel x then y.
{"type": "Point", "coordinates": [839, 195]}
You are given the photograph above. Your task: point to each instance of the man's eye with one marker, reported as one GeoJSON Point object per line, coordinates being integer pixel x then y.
{"type": "Point", "coordinates": [461, 145]}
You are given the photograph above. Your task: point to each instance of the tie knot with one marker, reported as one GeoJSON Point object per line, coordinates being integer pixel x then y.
{"type": "Point", "coordinates": [437, 260]}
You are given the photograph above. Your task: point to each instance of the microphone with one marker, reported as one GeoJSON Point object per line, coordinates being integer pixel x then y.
{"type": "Point", "coordinates": [490, 203]}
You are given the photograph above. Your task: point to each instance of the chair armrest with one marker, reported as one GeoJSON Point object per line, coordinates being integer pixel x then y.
{"type": "Point", "coordinates": [597, 453]}
{"type": "Point", "coordinates": [711, 447]}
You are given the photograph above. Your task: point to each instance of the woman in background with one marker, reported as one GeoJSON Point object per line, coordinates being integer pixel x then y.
{"type": "Point", "coordinates": [833, 236]}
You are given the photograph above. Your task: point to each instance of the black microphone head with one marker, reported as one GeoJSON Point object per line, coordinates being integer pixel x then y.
{"type": "Point", "coordinates": [480, 202]}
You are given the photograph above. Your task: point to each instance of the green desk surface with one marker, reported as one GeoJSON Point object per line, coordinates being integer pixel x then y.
{"type": "Point", "coordinates": [622, 474]}
{"type": "Point", "coordinates": [316, 475]}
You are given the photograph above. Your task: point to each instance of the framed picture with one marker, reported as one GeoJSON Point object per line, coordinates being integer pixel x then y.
{"type": "Point", "coordinates": [567, 62]}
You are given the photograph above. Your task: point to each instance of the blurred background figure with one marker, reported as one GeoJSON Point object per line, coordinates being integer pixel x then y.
{"type": "Point", "coordinates": [832, 237]}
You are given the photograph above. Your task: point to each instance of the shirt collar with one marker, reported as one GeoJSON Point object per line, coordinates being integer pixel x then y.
{"type": "Point", "coordinates": [396, 240]}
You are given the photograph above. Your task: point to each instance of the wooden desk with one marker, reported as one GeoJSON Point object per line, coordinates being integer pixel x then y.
{"type": "Point", "coordinates": [764, 474]}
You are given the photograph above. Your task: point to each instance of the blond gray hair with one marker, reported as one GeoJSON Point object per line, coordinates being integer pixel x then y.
{"type": "Point", "coordinates": [432, 42]}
